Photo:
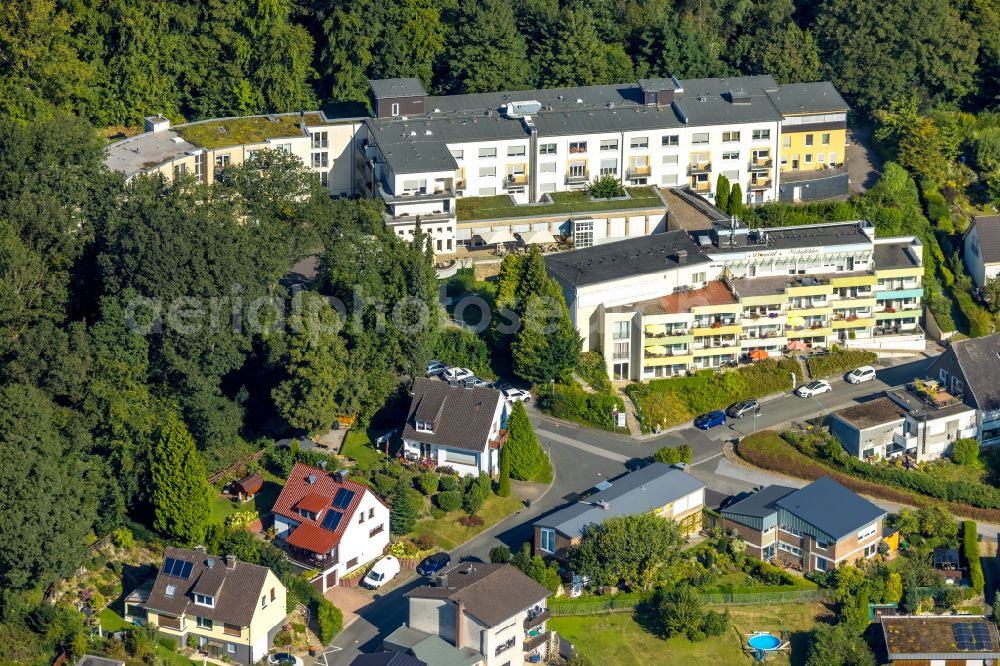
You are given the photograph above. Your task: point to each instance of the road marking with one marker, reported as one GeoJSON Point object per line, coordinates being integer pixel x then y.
{"type": "Point", "coordinates": [706, 459]}
{"type": "Point", "coordinates": [583, 447]}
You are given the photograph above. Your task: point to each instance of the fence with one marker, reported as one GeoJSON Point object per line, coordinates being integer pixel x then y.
{"type": "Point", "coordinates": [234, 468]}
{"type": "Point", "coordinates": [644, 601]}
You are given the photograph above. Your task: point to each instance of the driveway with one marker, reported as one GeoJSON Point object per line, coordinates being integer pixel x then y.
{"type": "Point", "coordinates": [864, 166]}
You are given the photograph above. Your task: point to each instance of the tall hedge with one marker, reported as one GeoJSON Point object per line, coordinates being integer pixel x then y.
{"type": "Point", "coordinates": [526, 456]}
{"type": "Point", "coordinates": [970, 552]}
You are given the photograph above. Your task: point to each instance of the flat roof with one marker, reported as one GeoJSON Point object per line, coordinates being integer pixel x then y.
{"type": "Point", "coordinates": [925, 638]}
{"type": "Point", "coordinates": [403, 87]}
{"type": "Point", "coordinates": [786, 238]}
{"type": "Point", "coordinates": [895, 255]}
{"type": "Point", "coordinates": [801, 98]}
{"type": "Point", "coordinates": [873, 413]}
{"type": "Point", "coordinates": [626, 258]}
{"type": "Point", "coordinates": [912, 402]}
{"type": "Point", "coordinates": [689, 211]}
{"type": "Point", "coordinates": [144, 151]}
{"type": "Point", "coordinates": [772, 285]}
{"type": "Point", "coordinates": [714, 293]}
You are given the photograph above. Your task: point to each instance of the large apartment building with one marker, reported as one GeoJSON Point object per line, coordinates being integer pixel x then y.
{"type": "Point", "coordinates": [422, 154]}
{"type": "Point", "coordinates": [662, 305]}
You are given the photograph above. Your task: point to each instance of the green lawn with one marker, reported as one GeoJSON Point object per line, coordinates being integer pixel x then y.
{"type": "Point", "coordinates": [236, 131]}
{"type": "Point", "coordinates": [480, 208]}
{"type": "Point", "coordinates": [223, 507]}
{"type": "Point", "coordinates": [112, 621]}
{"type": "Point", "coordinates": [448, 533]}
{"type": "Point", "coordinates": [629, 638]}
{"type": "Point", "coordinates": [945, 470]}
{"type": "Point", "coordinates": [359, 448]}
{"type": "Point", "coordinates": [171, 658]}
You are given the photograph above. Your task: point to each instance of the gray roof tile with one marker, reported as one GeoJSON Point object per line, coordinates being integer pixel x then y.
{"type": "Point", "coordinates": [979, 359]}
{"type": "Point", "coordinates": [831, 508]}
{"type": "Point", "coordinates": [491, 593]}
{"type": "Point", "coordinates": [988, 230]}
{"type": "Point", "coordinates": [462, 417]}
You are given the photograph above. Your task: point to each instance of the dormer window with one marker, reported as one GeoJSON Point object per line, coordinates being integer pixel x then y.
{"type": "Point", "coordinates": [170, 590]}
{"type": "Point", "coordinates": [307, 514]}
{"type": "Point", "coordinates": [204, 600]}
{"type": "Point", "coordinates": [425, 426]}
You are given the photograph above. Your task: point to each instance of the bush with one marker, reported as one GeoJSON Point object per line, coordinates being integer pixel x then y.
{"type": "Point", "coordinates": [449, 501]}
{"type": "Point", "coordinates": [437, 513]}
{"type": "Point", "coordinates": [500, 555]}
{"type": "Point", "coordinates": [965, 451]}
{"type": "Point", "coordinates": [123, 538]}
{"type": "Point", "coordinates": [471, 521]}
{"type": "Point", "coordinates": [592, 368]}
{"type": "Point", "coordinates": [329, 621]}
{"type": "Point", "coordinates": [672, 456]}
{"type": "Point", "coordinates": [474, 498]}
{"type": "Point", "coordinates": [970, 553]}
{"type": "Point", "coordinates": [448, 482]}
{"type": "Point", "coordinates": [838, 362]}
{"type": "Point", "coordinates": [425, 542]}
{"type": "Point", "coordinates": [463, 348]}
{"type": "Point", "coordinates": [606, 187]}
{"type": "Point", "coordinates": [428, 482]}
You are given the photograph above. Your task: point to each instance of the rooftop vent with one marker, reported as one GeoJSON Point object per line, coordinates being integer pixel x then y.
{"type": "Point", "coordinates": [579, 101]}
{"type": "Point", "coordinates": [311, 479]}
{"type": "Point", "coordinates": [210, 562]}
{"type": "Point", "coordinates": [518, 109]}
{"type": "Point", "coordinates": [739, 96]}
{"type": "Point", "coordinates": [157, 123]}
{"type": "Point", "coordinates": [428, 132]}
{"type": "Point", "coordinates": [340, 475]}
{"type": "Point", "coordinates": [680, 255]}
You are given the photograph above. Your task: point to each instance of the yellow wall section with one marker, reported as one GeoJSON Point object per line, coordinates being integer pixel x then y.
{"type": "Point", "coordinates": [838, 144]}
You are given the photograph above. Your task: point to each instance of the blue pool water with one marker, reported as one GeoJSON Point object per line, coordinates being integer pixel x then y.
{"type": "Point", "coordinates": [764, 642]}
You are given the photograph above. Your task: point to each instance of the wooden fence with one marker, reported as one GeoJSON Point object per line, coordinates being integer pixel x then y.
{"type": "Point", "coordinates": [234, 468]}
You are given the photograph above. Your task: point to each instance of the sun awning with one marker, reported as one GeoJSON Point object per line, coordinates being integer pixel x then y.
{"type": "Point", "coordinates": [536, 237]}
{"type": "Point", "coordinates": [797, 344]}
{"type": "Point", "coordinates": [657, 350]}
{"type": "Point", "coordinates": [656, 329]}
{"type": "Point", "coordinates": [496, 237]}
{"type": "Point", "coordinates": [759, 354]}
{"type": "Point", "coordinates": [796, 320]}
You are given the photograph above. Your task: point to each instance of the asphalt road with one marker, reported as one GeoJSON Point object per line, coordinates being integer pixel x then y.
{"type": "Point", "coordinates": [582, 457]}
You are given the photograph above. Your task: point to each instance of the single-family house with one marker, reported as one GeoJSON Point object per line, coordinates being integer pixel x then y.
{"type": "Point", "coordinates": [232, 608]}
{"type": "Point", "coordinates": [492, 609]}
{"type": "Point", "coordinates": [866, 429]}
{"type": "Point", "coordinates": [814, 528]}
{"type": "Point", "coordinates": [666, 490]}
{"type": "Point", "coordinates": [456, 425]}
{"type": "Point", "coordinates": [940, 640]}
{"type": "Point", "coordinates": [327, 522]}
{"type": "Point", "coordinates": [982, 248]}
{"type": "Point", "coordinates": [969, 370]}
{"type": "Point", "coordinates": [933, 419]}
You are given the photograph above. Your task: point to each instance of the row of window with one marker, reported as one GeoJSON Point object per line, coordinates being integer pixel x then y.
{"type": "Point", "coordinates": [810, 139]}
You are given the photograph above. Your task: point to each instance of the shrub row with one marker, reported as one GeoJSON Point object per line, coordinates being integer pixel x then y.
{"type": "Point", "coordinates": [970, 551]}
{"type": "Point", "coordinates": [672, 401]}
{"type": "Point", "coordinates": [570, 401]}
{"type": "Point", "coordinates": [838, 362]}
{"type": "Point", "coordinates": [769, 451]}
{"type": "Point", "coordinates": [980, 321]}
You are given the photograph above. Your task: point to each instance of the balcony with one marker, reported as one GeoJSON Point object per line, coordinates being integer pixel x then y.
{"type": "Point", "coordinates": [699, 167]}
{"type": "Point", "coordinates": [701, 188]}
{"type": "Point", "coordinates": [515, 180]}
{"type": "Point", "coordinates": [758, 185]}
{"type": "Point", "coordinates": [406, 218]}
{"type": "Point", "coordinates": [638, 171]}
{"type": "Point", "coordinates": [577, 178]}
{"type": "Point", "coordinates": [536, 641]}
{"type": "Point", "coordinates": [412, 197]}
{"type": "Point", "coordinates": [761, 163]}
{"type": "Point", "coordinates": [536, 617]}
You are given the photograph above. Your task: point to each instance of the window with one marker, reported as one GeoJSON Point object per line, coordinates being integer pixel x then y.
{"type": "Point", "coordinates": [761, 135]}
{"type": "Point", "coordinates": [578, 146]}
{"type": "Point", "coordinates": [230, 648]}
{"type": "Point", "coordinates": [376, 530]}
{"type": "Point", "coordinates": [197, 166]}
{"type": "Point", "coordinates": [547, 167]}
{"type": "Point", "coordinates": [425, 426]}
{"type": "Point", "coordinates": [809, 139]}
{"type": "Point", "coordinates": [371, 511]}
{"type": "Point", "coordinates": [320, 140]}
{"type": "Point", "coordinates": [578, 169]}
{"type": "Point", "coordinates": [272, 594]}
{"type": "Point", "coordinates": [609, 167]}
{"type": "Point", "coordinates": [639, 142]}
{"type": "Point", "coordinates": [669, 179]}
{"type": "Point", "coordinates": [731, 155]}
{"type": "Point", "coordinates": [809, 158]}
{"type": "Point", "coordinates": [506, 645]}
{"type": "Point", "coordinates": [319, 160]}
{"type": "Point", "coordinates": [821, 564]}
{"type": "Point", "coordinates": [583, 233]}
{"type": "Point", "coordinates": [670, 159]}
{"type": "Point", "coordinates": [485, 153]}
{"type": "Point", "coordinates": [324, 178]}
{"type": "Point", "coordinates": [170, 590]}
{"type": "Point", "coordinates": [204, 623]}
{"type": "Point", "coordinates": [231, 629]}
{"type": "Point", "coordinates": [609, 144]}
{"type": "Point", "coordinates": [547, 149]}
{"type": "Point", "coordinates": [307, 514]}
{"type": "Point", "coordinates": [867, 532]}
{"type": "Point", "coordinates": [222, 161]}
{"type": "Point", "coordinates": [351, 563]}
{"type": "Point", "coordinates": [263, 601]}
{"type": "Point", "coordinates": [788, 548]}
{"type": "Point", "coordinates": [671, 140]}
{"type": "Point", "coordinates": [786, 142]}
{"type": "Point", "coordinates": [395, 109]}
{"type": "Point", "coordinates": [820, 157]}
{"type": "Point", "coordinates": [458, 154]}
{"type": "Point", "coordinates": [287, 147]}
{"type": "Point", "coordinates": [487, 172]}
{"type": "Point", "coordinates": [204, 600]}
{"type": "Point", "coordinates": [515, 151]}
{"type": "Point", "coordinates": [546, 187]}
{"type": "Point", "coordinates": [180, 170]}
{"type": "Point", "coordinates": [730, 136]}
{"type": "Point", "coordinates": [619, 330]}
{"type": "Point", "coordinates": [825, 138]}
{"type": "Point", "coordinates": [361, 517]}
{"type": "Point", "coordinates": [414, 186]}
{"type": "Point", "coordinates": [461, 458]}
{"type": "Point", "coordinates": [871, 549]}
{"type": "Point", "coordinates": [698, 277]}
{"type": "Point", "coordinates": [699, 137]}
{"type": "Point", "coordinates": [833, 158]}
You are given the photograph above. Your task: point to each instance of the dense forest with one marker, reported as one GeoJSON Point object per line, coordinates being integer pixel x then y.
{"type": "Point", "coordinates": [113, 62]}
{"type": "Point", "coordinates": [94, 387]}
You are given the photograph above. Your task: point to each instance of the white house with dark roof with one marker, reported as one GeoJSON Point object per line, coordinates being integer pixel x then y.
{"type": "Point", "coordinates": [455, 425]}
{"type": "Point", "coordinates": [969, 371]}
{"type": "Point", "coordinates": [982, 248]}
{"type": "Point", "coordinates": [233, 609]}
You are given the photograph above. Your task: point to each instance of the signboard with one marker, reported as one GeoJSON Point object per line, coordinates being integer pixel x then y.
{"type": "Point", "coordinates": [621, 420]}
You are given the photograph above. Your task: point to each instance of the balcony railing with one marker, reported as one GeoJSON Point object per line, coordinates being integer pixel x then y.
{"type": "Point", "coordinates": [761, 163]}
{"type": "Point", "coordinates": [638, 171]}
{"type": "Point", "coordinates": [532, 642]}
{"type": "Point", "coordinates": [536, 617]}
{"type": "Point", "coordinates": [515, 180]}
{"type": "Point", "coordinates": [578, 178]}
{"type": "Point", "coordinates": [700, 167]}
{"type": "Point", "coordinates": [760, 185]}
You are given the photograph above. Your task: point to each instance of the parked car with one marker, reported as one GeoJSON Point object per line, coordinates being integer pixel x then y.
{"type": "Point", "coordinates": [742, 408]}
{"type": "Point", "coordinates": [456, 374]}
{"type": "Point", "coordinates": [501, 386]}
{"type": "Point", "coordinates": [436, 368]}
{"type": "Point", "coordinates": [710, 420]}
{"type": "Point", "coordinates": [813, 388]}
{"type": "Point", "coordinates": [433, 563]}
{"type": "Point", "coordinates": [863, 374]}
{"type": "Point", "coordinates": [285, 658]}
{"type": "Point", "coordinates": [381, 573]}
{"type": "Point", "coordinates": [475, 382]}
{"type": "Point", "coordinates": [516, 395]}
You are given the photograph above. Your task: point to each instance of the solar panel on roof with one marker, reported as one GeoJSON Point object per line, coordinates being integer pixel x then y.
{"type": "Point", "coordinates": [343, 498]}
{"type": "Point", "coordinates": [177, 568]}
{"type": "Point", "coordinates": [186, 570]}
{"type": "Point", "coordinates": [332, 520]}
{"type": "Point", "coordinates": [168, 566]}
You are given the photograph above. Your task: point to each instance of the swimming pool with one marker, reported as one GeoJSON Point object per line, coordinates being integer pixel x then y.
{"type": "Point", "coordinates": [764, 642]}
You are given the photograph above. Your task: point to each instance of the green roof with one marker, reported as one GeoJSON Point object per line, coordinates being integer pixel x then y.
{"type": "Point", "coordinates": [483, 208]}
{"type": "Point", "coordinates": [238, 131]}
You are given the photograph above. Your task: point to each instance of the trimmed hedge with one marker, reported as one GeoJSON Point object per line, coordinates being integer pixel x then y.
{"type": "Point", "coordinates": [970, 552]}
{"type": "Point", "coordinates": [838, 362]}
{"type": "Point", "coordinates": [768, 450]}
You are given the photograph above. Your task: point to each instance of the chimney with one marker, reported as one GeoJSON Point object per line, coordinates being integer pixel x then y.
{"type": "Point", "coordinates": [459, 623]}
{"type": "Point", "coordinates": [199, 548]}
{"type": "Point", "coordinates": [230, 561]}
{"type": "Point", "coordinates": [311, 479]}
{"type": "Point", "coordinates": [340, 475]}
{"type": "Point", "coordinates": [680, 255]}
{"type": "Point", "coordinates": [322, 465]}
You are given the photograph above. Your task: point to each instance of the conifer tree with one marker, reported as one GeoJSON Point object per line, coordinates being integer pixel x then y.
{"type": "Point", "coordinates": [503, 486]}
{"type": "Point", "coordinates": [722, 193]}
{"type": "Point", "coordinates": [180, 491]}
{"type": "Point", "coordinates": [526, 456]}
